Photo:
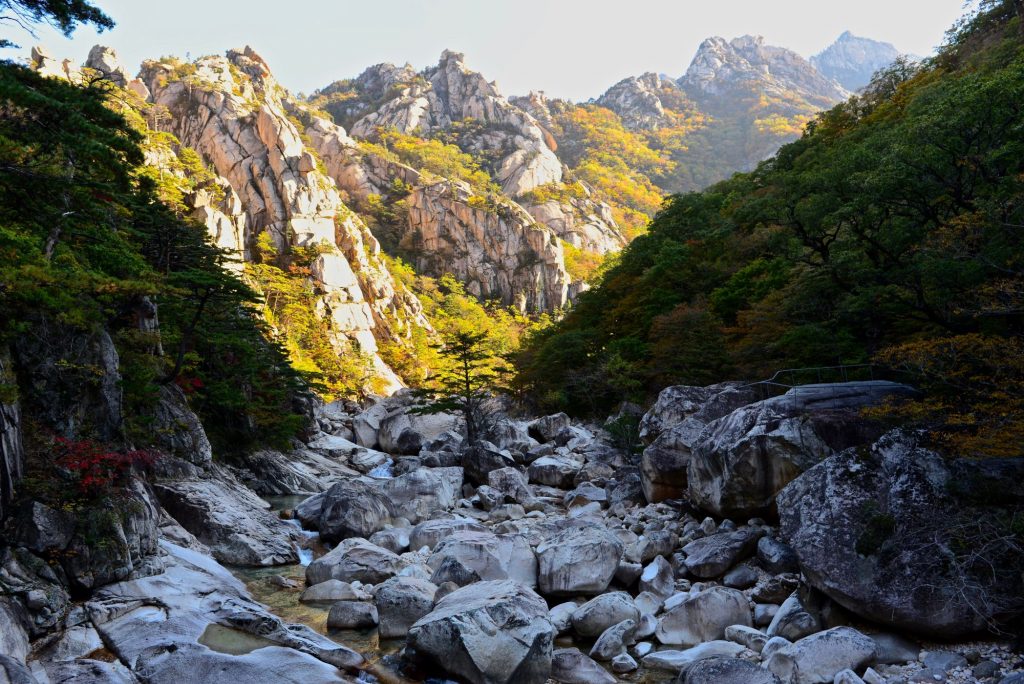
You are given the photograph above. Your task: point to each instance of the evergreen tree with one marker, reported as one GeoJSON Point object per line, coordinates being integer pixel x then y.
{"type": "Point", "coordinates": [469, 373]}
{"type": "Point", "coordinates": [63, 15]}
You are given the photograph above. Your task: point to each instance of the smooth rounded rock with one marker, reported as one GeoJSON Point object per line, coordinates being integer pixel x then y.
{"type": "Point", "coordinates": [579, 560]}
{"type": "Point", "coordinates": [703, 617]}
{"type": "Point", "coordinates": [600, 613]}
{"type": "Point", "coordinates": [488, 632]}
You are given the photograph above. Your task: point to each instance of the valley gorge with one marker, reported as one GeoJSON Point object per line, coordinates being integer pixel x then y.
{"type": "Point", "coordinates": [715, 378]}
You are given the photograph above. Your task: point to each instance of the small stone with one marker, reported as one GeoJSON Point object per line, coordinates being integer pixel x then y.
{"type": "Point", "coordinates": [763, 614]}
{"type": "Point", "coordinates": [943, 660]}
{"type": "Point", "coordinates": [352, 615]}
{"type": "Point", "coordinates": [872, 677]}
{"type": "Point", "coordinates": [742, 577]}
{"type": "Point", "coordinates": [985, 668]}
{"type": "Point", "coordinates": [623, 663]}
{"type": "Point", "coordinates": [847, 676]}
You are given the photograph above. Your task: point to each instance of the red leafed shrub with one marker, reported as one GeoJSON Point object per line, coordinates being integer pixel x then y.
{"type": "Point", "coordinates": [93, 467]}
{"type": "Point", "coordinates": [188, 385]}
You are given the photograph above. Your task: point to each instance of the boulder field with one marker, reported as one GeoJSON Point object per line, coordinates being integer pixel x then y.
{"type": "Point", "coordinates": [785, 540]}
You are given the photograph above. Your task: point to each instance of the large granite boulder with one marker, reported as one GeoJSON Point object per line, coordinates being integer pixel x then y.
{"type": "Point", "coordinates": [726, 671]}
{"type": "Point", "coordinates": [743, 459]}
{"type": "Point", "coordinates": [818, 658]}
{"type": "Point", "coordinates": [673, 426]}
{"type": "Point", "coordinates": [346, 452]}
{"type": "Point", "coordinates": [554, 471]}
{"type": "Point", "coordinates": [467, 556]}
{"type": "Point", "coordinates": [355, 560]}
{"type": "Point", "coordinates": [226, 516]}
{"type": "Point", "coordinates": [901, 536]}
{"type": "Point", "coordinates": [579, 560]}
{"type": "Point", "coordinates": [703, 617]}
{"type": "Point", "coordinates": [601, 612]}
{"type": "Point", "coordinates": [672, 406]}
{"type": "Point", "coordinates": [488, 633]}
{"type": "Point", "coordinates": [353, 508]}
{"type": "Point", "coordinates": [480, 459]}
{"type": "Point", "coordinates": [401, 601]}
{"type": "Point", "coordinates": [404, 432]}
{"type": "Point", "coordinates": [430, 532]}
{"type": "Point", "coordinates": [713, 555]}
{"type": "Point", "coordinates": [419, 494]}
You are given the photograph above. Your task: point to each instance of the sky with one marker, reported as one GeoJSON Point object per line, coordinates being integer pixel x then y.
{"type": "Point", "coordinates": [573, 49]}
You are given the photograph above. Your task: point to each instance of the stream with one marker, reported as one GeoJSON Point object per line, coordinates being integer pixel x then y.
{"type": "Point", "coordinates": [382, 655]}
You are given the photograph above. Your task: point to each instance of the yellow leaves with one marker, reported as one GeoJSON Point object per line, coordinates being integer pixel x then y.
{"type": "Point", "coordinates": [580, 263]}
{"type": "Point", "coordinates": [974, 392]}
{"type": "Point", "coordinates": [435, 156]}
{"type": "Point", "coordinates": [781, 126]}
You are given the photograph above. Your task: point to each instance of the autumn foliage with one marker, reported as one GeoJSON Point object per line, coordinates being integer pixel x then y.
{"type": "Point", "coordinates": [93, 468]}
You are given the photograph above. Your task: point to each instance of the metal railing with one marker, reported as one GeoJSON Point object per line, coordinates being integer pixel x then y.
{"type": "Point", "coordinates": [786, 379]}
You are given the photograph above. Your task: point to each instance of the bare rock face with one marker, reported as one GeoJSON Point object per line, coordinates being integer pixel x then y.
{"type": "Point", "coordinates": [104, 60]}
{"type": "Point", "coordinates": [450, 93]}
{"type": "Point", "coordinates": [178, 429]}
{"type": "Point", "coordinates": [234, 114]}
{"type": "Point", "coordinates": [129, 535]}
{"type": "Point", "coordinates": [582, 222]}
{"type": "Point", "coordinates": [894, 534]}
{"type": "Point", "coordinates": [518, 152]}
{"type": "Point", "coordinates": [853, 60]}
{"type": "Point", "coordinates": [721, 65]}
{"type": "Point", "coordinates": [742, 460]}
{"type": "Point", "coordinates": [12, 456]}
{"type": "Point", "coordinates": [499, 251]}
{"type": "Point", "coordinates": [640, 101]}
{"type": "Point", "coordinates": [66, 399]}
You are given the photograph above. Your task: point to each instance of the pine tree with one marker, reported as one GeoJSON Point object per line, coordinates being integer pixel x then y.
{"type": "Point", "coordinates": [469, 373]}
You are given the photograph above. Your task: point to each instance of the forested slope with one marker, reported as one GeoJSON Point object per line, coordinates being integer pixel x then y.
{"type": "Point", "coordinates": [889, 233]}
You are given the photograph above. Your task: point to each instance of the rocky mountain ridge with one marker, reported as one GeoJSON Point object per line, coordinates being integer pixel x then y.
{"type": "Point", "coordinates": [281, 164]}
{"type": "Point", "coordinates": [740, 100]}
{"type": "Point", "coordinates": [852, 60]}
{"type": "Point", "coordinates": [721, 67]}
{"type": "Point", "coordinates": [513, 148]}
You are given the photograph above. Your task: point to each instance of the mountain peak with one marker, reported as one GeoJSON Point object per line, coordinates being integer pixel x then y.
{"type": "Point", "coordinates": [747, 61]}
{"type": "Point", "coordinates": [642, 101]}
{"type": "Point", "coordinates": [852, 60]}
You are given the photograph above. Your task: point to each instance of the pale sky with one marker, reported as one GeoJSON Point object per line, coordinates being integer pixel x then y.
{"type": "Point", "coordinates": [573, 49]}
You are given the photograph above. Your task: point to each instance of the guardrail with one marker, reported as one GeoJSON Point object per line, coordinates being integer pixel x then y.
{"type": "Point", "coordinates": [786, 379]}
